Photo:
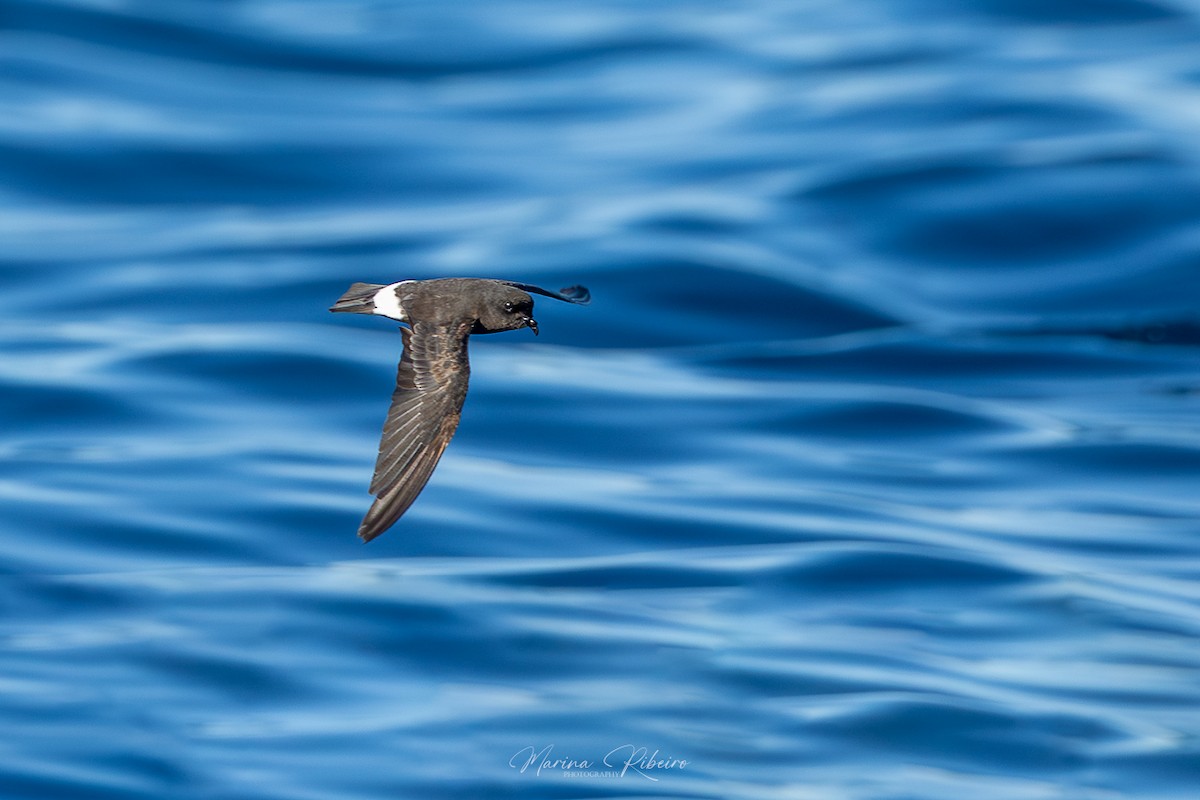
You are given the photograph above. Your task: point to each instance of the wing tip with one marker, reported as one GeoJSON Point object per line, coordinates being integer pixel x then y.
{"type": "Point", "coordinates": [367, 534]}
{"type": "Point", "coordinates": [373, 526]}
{"type": "Point", "coordinates": [571, 294]}
{"type": "Point", "coordinates": [576, 294]}
{"type": "Point", "coordinates": [378, 521]}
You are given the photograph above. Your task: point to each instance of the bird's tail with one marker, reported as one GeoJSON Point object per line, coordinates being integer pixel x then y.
{"type": "Point", "coordinates": [358, 299]}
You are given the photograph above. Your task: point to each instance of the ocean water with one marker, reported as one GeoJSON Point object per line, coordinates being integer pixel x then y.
{"type": "Point", "coordinates": [871, 473]}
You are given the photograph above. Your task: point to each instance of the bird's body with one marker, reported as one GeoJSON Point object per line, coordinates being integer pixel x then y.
{"type": "Point", "coordinates": [431, 383]}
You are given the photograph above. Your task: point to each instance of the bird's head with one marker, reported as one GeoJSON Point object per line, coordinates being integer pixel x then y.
{"type": "Point", "coordinates": [507, 308]}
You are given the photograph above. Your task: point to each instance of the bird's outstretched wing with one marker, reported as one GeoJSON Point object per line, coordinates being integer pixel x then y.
{"type": "Point", "coordinates": [431, 385]}
{"type": "Point", "coordinates": [571, 294]}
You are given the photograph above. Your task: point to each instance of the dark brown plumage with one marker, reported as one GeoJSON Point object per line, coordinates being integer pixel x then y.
{"type": "Point", "coordinates": [431, 383]}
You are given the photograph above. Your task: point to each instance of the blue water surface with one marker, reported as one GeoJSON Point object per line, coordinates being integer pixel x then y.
{"type": "Point", "coordinates": [871, 473]}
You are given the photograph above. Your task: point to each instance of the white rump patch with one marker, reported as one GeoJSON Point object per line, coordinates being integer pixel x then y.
{"type": "Point", "coordinates": [387, 302]}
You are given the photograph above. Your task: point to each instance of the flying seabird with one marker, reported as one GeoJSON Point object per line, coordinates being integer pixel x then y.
{"type": "Point", "coordinates": [431, 383]}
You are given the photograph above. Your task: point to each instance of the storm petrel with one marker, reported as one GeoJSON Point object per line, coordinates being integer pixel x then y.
{"type": "Point", "coordinates": [432, 381]}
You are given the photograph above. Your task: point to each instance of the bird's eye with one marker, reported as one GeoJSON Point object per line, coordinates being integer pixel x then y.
{"type": "Point", "coordinates": [509, 307]}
